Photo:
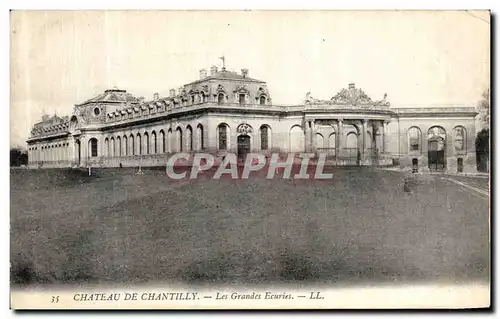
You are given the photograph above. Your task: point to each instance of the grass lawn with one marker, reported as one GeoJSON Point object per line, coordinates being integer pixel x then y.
{"type": "Point", "coordinates": [359, 228]}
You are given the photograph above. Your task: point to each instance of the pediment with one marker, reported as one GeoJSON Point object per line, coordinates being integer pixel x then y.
{"type": "Point", "coordinates": [348, 96]}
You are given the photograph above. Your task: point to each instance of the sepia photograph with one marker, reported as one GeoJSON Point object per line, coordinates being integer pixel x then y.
{"type": "Point", "coordinates": [249, 159]}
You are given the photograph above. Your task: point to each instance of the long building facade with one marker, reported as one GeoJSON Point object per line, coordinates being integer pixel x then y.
{"type": "Point", "coordinates": [225, 111]}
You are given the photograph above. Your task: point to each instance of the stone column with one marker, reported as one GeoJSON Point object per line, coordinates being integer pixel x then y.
{"type": "Point", "coordinates": [364, 133]}
{"type": "Point", "coordinates": [306, 136]}
{"type": "Point", "coordinates": [313, 136]}
{"type": "Point", "coordinates": [340, 137]}
{"type": "Point", "coordinates": [384, 137]}
{"type": "Point", "coordinates": [310, 137]}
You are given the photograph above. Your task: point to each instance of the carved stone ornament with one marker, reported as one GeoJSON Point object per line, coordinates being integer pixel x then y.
{"type": "Point", "coordinates": [244, 129]}
{"type": "Point", "coordinates": [241, 88]}
{"type": "Point", "coordinates": [459, 139]}
{"type": "Point", "coordinates": [220, 88]}
{"type": "Point", "coordinates": [349, 96]}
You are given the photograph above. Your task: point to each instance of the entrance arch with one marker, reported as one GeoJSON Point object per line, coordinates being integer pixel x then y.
{"type": "Point", "coordinates": [352, 151]}
{"type": "Point", "coordinates": [436, 139]}
{"type": "Point", "coordinates": [243, 146]}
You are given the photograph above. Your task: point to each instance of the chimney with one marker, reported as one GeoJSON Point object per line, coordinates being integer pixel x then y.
{"type": "Point", "coordinates": [156, 97]}
{"type": "Point", "coordinates": [244, 72]}
{"type": "Point", "coordinates": [203, 73]}
{"type": "Point", "coordinates": [352, 86]}
{"type": "Point", "coordinates": [172, 92]}
{"type": "Point", "coordinates": [213, 70]}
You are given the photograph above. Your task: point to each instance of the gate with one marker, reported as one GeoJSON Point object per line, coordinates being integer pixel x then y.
{"type": "Point", "coordinates": [243, 147]}
{"type": "Point", "coordinates": [352, 156]}
{"type": "Point", "coordinates": [436, 155]}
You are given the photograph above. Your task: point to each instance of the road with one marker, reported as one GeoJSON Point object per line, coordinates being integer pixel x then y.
{"type": "Point", "coordinates": [475, 185]}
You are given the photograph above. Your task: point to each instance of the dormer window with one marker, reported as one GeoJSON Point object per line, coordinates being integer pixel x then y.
{"type": "Point", "coordinates": [192, 99]}
{"type": "Point", "coordinates": [242, 99]}
{"type": "Point", "coordinates": [262, 100]}
{"type": "Point", "coordinates": [220, 98]}
{"type": "Point", "coordinates": [97, 111]}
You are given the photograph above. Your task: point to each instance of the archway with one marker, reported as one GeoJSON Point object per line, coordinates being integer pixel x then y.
{"type": "Point", "coordinates": [243, 146]}
{"type": "Point", "coordinates": [436, 139]}
{"type": "Point", "coordinates": [179, 146]}
{"type": "Point", "coordinates": [297, 139]}
{"type": "Point", "coordinates": [352, 152]}
{"type": "Point", "coordinates": [200, 138]}
{"type": "Point", "coordinates": [189, 138]}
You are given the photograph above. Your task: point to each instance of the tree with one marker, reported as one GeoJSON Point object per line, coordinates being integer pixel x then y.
{"type": "Point", "coordinates": [483, 150]}
{"type": "Point", "coordinates": [484, 109]}
{"type": "Point", "coordinates": [483, 137]}
{"type": "Point", "coordinates": [18, 157]}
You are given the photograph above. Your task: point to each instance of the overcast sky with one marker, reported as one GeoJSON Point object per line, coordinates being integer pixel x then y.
{"type": "Point", "coordinates": [418, 58]}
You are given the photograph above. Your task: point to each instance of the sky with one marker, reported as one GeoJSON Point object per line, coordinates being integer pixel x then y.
{"type": "Point", "coordinates": [419, 58]}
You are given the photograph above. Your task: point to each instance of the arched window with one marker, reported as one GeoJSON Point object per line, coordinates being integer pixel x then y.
{"type": "Point", "coordinates": [414, 139]}
{"type": "Point", "coordinates": [162, 139]}
{"type": "Point", "coordinates": [436, 136]}
{"type": "Point", "coordinates": [332, 144]}
{"type": "Point", "coordinates": [93, 147]}
{"type": "Point", "coordinates": [200, 137]}
{"type": "Point", "coordinates": [170, 140]}
{"type": "Point", "coordinates": [146, 143]}
{"type": "Point", "coordinates": [139, 144]}
{"type": "Point", "coordinates": [112, 146]}
{"type": "Point", "coordinates": [264, 137]}
{"type": "Point", "coordinates": [262, 100]}
{"type": "Point", "coordinates": [296, 139]}
{"type": "Point", "coordinates": [320, 141]}
{"type": "Point", "coordinates": [436, 131]}
{"type": "Point", "coordinates": [352, 140]}
{"type": "Point", "coordinates": [222, 133]}
{"type": "Point", "coordinates": [220, 98]}
{"type": "Point", "coordinates": [125, 146]}
{"type": "Point", "coordinates": [119, 142]}
{"type": "Point", "coordinates": [189, 139]}
{"type": "Point", "coordinates": [132, 144]}
{"type": "Point", "coordinates": [179, 139]}
{"type": "Point", "coordinates": [153, 138]}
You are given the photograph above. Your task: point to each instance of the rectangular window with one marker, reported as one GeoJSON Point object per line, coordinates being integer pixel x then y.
{"type": "Point", "coordinates": [222, 138]}
{"type": "Point", "coordinates": [242, 98]}
{"type": "Point", "coordinates": [94, 149]}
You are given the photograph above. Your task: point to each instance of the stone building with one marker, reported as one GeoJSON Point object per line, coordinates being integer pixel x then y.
{"type": "Point", "coordinates": [225, 111]}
